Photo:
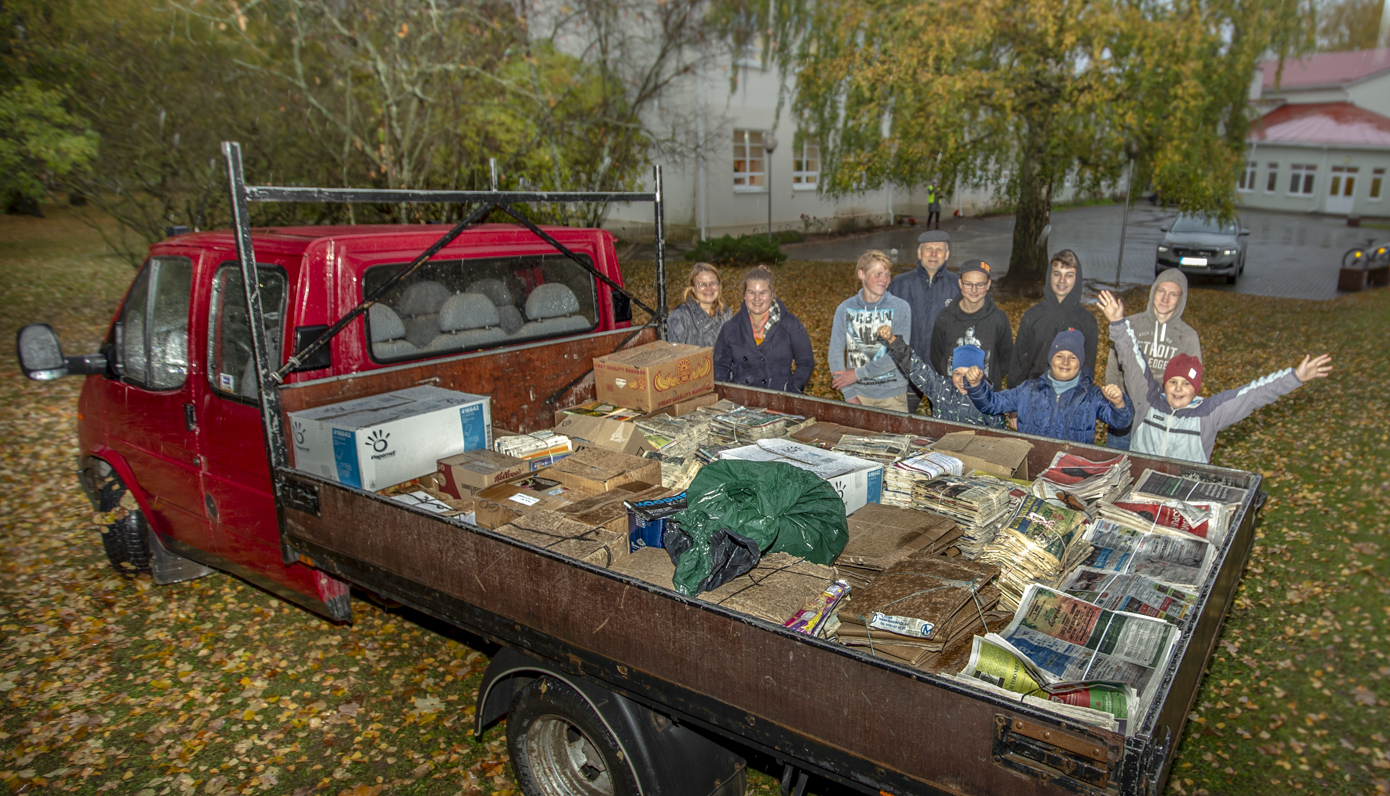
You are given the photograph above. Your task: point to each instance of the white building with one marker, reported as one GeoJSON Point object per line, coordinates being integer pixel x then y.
{"type": "Point", "coordinates": [1322, 144]}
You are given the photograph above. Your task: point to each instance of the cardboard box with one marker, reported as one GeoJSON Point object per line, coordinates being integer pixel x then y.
{"type": "Point", "coordinates": [646, 520]}
{"type": "Point", "coordinates": [608, 433]}
{"type": "Point", "coordinates": [654, 375]}
{"type": "Point", "coordinates": [382, 440]}
{"type": "Point", "coordinates": [557, 533]}
{"type": "Point", "coordinates": [500, 504]}
{"type": "Point", "coordinates": [859, 481]}
{"type": "Point", "coordinates": [475, 470]}
{"type": "Point", "coordinates": [607, 510]}
{"type": "Point", "coordinates": [1005, 457]}
{"type": "Point", "coordinates": [598, 470]}
{"type": "Point", "coordinates": [689, 405]}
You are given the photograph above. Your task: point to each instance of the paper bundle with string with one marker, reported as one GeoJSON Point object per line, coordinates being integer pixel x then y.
{"type": "Point", "coordinates": [1086, 480]}
{"type": "Point", "coordinates": [881, 536]}
{"type": "Point", "coordinates": [901, 478]}
{"type": "Point", "coordinates": [919, 607]}
{"type": "Point", "coordinates": [1039, 544]}
{"type": "Point", "coordinates": [978, 504]}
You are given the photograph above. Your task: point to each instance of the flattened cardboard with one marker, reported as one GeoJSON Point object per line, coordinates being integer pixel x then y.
{"type": "Point", "coordinates": [649, 564]}
{"type": "Point", "coordinates": [827, 435]}
{"type": "Point", "coordinates": [598, 470]}
{"type": "Point", "coordinates": [654, 375]}
{"type": "Point", "coordinates": [500, 504]}
{"type": "Point", "coordinates": [1004, 457]}
{"type": "Point", "coordinates": [606, 510]}
{"type": "Point", "coordinates": [476, 470]}
{"type": "Point", "coordinates": [607, 433]}
{"type": "Point", "coordinates": [560, 534]}
{"type": "Point", "coordinates": [881, 535]}
{"type": "Point", "coordinates": [775, 589]}
{"type": "Point", "coordinates": [689, 405]}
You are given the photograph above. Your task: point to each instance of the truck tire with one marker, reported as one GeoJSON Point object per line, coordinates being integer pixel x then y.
{"type": "Point", "coordinates": [560, 747]}
{"type": "Point", "coordinates": [125, 540]}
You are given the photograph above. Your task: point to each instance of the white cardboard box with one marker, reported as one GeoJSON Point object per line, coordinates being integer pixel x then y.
{"type": "Point", "coordinates": [382, 440]}
{"type": "Point", "coordinates": [859, 481]}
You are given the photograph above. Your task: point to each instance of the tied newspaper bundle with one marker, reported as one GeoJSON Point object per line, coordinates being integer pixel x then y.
{"type": "Point", "coordinates": [996, 666]}
{"type": "Point", "coordinates": [978, 504]}
{"type": "Point", "coordinates": [882, 448]}
{"type": "Point", "coordinates": [880, 536]}
{"type": "Point", "coordinates": [1177, 560]}
{"type": "Point", "coordinates": [1188, 489]}
{"type": "Point", "coordinates": [1083, 479]}
{"type": "Point", "coordinates": [902, 478]}
{"type": "Point", "coordinates": [920, 607]}
{"type": "Point", "coordinates": [1138, 594]}
{"type": "Point", "coordinates": [1039, 544]}
{"type": "Point", "coordinates": [676, 441]}
{"type": "Point", "coordinates": [742, 425]}
{"type": "Point", "coordinates": [1206, 520]}
{"type": "Point", "coordinates": [539, 448]}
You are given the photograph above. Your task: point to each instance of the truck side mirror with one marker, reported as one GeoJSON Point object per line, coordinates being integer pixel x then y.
{"type": "Point", "coordinates": [1244, 231]}
{"type": "Point", "coordinates": [41, 356]}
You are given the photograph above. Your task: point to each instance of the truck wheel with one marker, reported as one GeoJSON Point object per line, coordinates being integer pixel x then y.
{"type": "Point", "coordinates": [126, 540]}
{"type": "Point", "coordinates": [559, 747]}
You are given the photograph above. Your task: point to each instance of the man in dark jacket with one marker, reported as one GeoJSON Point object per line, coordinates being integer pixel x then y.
{"type": "Point", "coordinates": [974, 320]}
{"type": "Point", "coordinates": [1059, 311]}
{"type": "Point", "coordinates": [927, 289]}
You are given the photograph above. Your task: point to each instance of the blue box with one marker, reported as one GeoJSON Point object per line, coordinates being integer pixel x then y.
{"type": "Point", "coordinates": [646, 520]}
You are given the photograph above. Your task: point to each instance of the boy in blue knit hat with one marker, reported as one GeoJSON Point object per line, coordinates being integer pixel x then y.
{"type": "Point", "coordinates": [947, 395]}
{"type": "Point", "coordinates": [1061, 403]}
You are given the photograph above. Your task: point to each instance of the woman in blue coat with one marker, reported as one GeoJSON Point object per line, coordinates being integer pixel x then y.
{"type": "Point", "coordinates": [763, 345]}
{"type": "Point", "coordinates": [1062, 403]}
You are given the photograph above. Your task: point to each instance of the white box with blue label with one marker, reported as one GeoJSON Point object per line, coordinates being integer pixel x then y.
{"type": "Point", "coordinates": [383, 440]}
{"type": "Point", "coordinates": [858, 481]}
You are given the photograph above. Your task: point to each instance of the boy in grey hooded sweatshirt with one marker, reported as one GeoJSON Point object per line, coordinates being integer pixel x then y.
{"type": "Point", "coordinates": [1161, 334]}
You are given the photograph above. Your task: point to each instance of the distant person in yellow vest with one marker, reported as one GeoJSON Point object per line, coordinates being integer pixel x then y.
{"type": "Point", "coordinates": [933, 206]}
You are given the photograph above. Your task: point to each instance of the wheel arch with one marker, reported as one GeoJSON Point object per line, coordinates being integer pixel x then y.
{"type": "Point", "coordinates": [87, 477]}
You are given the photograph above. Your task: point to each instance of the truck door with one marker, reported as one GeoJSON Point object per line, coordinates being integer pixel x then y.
{"type": "Point", "coordinates": [151, 407]}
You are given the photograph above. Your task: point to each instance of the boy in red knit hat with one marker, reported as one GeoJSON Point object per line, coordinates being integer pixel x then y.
{"type": "Point", "coordinates": [1180, 424]}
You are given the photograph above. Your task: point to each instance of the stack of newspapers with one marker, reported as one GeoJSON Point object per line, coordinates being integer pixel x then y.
{"type": "Point", "coordinates": [978, 504]}
{"type": "Point", "coordinates": [883, 448]}
{"type": "Point", "coordinates": [1181, 560]}
{"type": "Point", "coordinates": [745, 424]}
{"type": "Point", "coordinates": [539, 445]}
{"type": "Point", "coordinates": [1086, 480]}
{"type": "Point", "coordinates": [1040, 543]}
{"type": "Point", "coordinates": [902, 477]}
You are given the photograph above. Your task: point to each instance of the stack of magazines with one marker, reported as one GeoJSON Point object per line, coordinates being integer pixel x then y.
{"type": "Point", "coordinates": [884, 448]}
{"type": "Point", "coordinates": [902, 477]}
{"type": "Point", "coordinates": [978, 504]}
{"type": "Point", "coordinates": [1084, 479]}
{"type": "Point", "coordinates": [1207, 520]}
{"type": "Point", "coordinates": [537, 445]}
{"type": "Point", "coordinates": [1040, 543]}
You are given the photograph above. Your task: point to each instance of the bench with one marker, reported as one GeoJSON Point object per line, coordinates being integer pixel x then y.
{"type": "Point", "coordinates": [1359, 277]}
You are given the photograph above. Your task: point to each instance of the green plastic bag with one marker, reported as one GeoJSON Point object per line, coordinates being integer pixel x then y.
{"type": "Point", "coordinates": [782, 508]}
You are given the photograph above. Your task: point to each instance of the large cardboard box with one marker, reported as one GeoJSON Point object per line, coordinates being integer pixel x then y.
{"type": "Point", "coordinates": [477, 469]}
{"type": "Point", "coordinates": [383, 440]}
{"type": "Point", "coordinates": [859, 481]}
{"type": "Point", "coordinates": [500, 504]}
{"type": "Point", "coordinates": [1005, 457]}
{"type": "Point", "coordinates": [680, 408]}
{"type": "Point", "coordinates": [598, 470]}
{"type": "Point", "coordinates": [608, 433]}
{"type": "Point", "coordinates": [654, 375]}
{"type": "Point", "coordinates": [553, 531]}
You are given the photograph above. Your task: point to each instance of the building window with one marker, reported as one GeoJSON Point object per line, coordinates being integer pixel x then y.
{"type": "Point", "coordinates": [1247, 177]}
{"type": "Point", "coordinates": [750, 162]}
{"type": "Point", "coordinates": [1272, 181]}
{"type": "Point", "coordinates": [1377, 180]}
{"type": "Point", "coordinates": [806, 165]}
{"type": "Point", "coordinates": [1301, 179]}
{"type": "Point", "coordinates": [1343, 182]}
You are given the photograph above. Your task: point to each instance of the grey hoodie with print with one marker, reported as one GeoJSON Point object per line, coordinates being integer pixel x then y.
{"type": "Point", "coordinates": [1160, 342]}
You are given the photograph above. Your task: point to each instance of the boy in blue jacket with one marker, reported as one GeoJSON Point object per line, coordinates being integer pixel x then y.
{"type": "Point", "coordinates": [1063, 403]}
{"type": "Point", "coordinates": [1179, 423]}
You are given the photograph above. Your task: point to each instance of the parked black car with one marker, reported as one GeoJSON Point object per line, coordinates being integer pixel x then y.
{"type": "Point", "coordinates": [1202, 245]}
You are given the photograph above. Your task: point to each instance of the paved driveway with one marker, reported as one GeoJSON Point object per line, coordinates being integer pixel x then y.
{"type": "Point", "coordinates": [1290, 256]}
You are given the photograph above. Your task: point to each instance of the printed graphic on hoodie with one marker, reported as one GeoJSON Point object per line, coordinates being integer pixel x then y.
{"type": "Point", "coordinates": [862, 345]}
{"type": "Point", "coordinates": [971, 339]}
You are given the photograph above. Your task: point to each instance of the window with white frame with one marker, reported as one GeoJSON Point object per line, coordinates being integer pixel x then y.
{"type": "Point", "coordinates": [1272, 181]}
{"type": "Point", "coordinates": [1247, 177]}
{"type": "Point", "coordinates": [1301, 179]}
{"type": "Point", "coordinates": [750, 161]}
{"type": "Point", "coordinates": [1377, 184]}
{"type": "Point", "coordinates": [806, 165]}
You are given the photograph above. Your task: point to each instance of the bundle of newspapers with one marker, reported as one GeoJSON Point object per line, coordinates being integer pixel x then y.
{"type": "Point", "coordinates": [1066, 644]}
{"type": "Point", "coordinates": [1040, 543]}
{"type": "Point", "coordinates": [1086, 480]}
{"type": "Point", "coordinates": [1138, 594]}
{"type": "Point", "coordinates": [674, 437]}
{"type": "Point", "coordinates": [902, 477]}
{"type": "Point", "coordinates": [884, 448]}
{"type": "Point", "coordinates": [1181, 560]}
{"type": "Point", "coordinates": [978, 504]}
{"type": "Point", "coordinates": [994, 665]}
{"type": "Point", "coordinates": [1189, 488]}
{"type": "Point", "coordinates": [744, 424]}
{"type": "Point", "coordinates": [918, 607]}
{"type": "Point", "coordinates": [1207, 520]}
{"type": "Point", "coordinates": [536, 445]}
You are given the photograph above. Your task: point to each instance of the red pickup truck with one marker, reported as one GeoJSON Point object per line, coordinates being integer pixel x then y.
{"type": "Point", "coordinates": [172, 420]}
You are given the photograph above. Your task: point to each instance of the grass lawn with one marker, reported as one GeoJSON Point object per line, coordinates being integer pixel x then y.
{"type": "Point", "coordinates": [110, 684]}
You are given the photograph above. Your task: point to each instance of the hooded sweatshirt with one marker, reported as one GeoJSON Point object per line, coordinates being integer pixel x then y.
{"type": "Point", "coordinates": [987, 327]}
{"type": "Point", "coordinates": [1159, 342]}
{"type": "Point", "coordinates": [1040, 326]}
{"type": "Point", "coordinates": [854, 344]}
{"type": "Point", "coordinates": [927, 296]}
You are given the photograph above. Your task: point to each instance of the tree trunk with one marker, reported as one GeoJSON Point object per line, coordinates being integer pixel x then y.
{"type": "Point", "coordinates": [1028, 259]}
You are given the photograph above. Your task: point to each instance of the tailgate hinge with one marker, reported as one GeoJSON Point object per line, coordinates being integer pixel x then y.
{"type": "Point", "coordinates": [1079, 763]}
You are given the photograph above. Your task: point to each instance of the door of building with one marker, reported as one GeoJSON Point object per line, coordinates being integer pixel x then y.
{"type": "Point", "coordinates": [1341, 190]}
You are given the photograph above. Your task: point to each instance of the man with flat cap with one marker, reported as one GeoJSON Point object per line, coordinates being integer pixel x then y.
{"type": "Point", "coordinates": [928, 289]}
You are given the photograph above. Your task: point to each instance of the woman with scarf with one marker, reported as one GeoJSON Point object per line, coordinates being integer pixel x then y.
{"type": "Point", "coordinates": [702, 312]}
{"type": "Point", "coordinates": [763, 345]}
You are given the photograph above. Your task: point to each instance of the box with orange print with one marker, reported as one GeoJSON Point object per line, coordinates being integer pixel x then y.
{"type": "Point", "coordinates": [654, 375]}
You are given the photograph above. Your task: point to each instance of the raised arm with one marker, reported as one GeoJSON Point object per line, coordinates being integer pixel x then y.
{"type": "Point", "coordinates": [1137, 379]}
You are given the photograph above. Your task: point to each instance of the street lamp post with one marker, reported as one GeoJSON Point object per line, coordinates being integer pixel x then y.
{"type": "Point", "coordinates": [769, 144]}
{"type": "Point", "coordinates": [1132, 152]}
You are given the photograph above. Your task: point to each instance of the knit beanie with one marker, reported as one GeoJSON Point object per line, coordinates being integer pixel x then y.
{"type": "Point", "coordinates": [967, 356]}
{"type": "Point", "coordinates": [1069, 340]}
{"type": "Point", "coordinates": [1187, 366]}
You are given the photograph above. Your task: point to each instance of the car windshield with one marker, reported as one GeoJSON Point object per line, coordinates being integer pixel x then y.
{"type": "Point", "coordinates": [1203, 224]}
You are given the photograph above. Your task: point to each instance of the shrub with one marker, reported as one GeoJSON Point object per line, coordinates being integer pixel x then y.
{"type": "Point", "coordinates": [743, 250]}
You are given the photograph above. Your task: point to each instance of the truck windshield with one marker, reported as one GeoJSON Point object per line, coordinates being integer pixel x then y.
{"type": "Point", "coordinates": [452, 306]}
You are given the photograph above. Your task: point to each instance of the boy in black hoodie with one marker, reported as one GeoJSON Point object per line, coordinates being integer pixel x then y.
{"type": "Point", "coordinates": [1059, 311]}
{"type": "Point", "coordinates": [973, 319]}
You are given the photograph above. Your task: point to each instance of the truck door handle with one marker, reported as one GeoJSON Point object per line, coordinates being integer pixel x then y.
{"type": "Point", "coordinates": [190, 418]}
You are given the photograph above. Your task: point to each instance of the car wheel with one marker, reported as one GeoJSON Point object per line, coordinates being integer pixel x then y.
{"type": "Point", "coordinates": [559, 747]}
{"type": "Point", "coordinates": [1231, 278]}
{"type": "Point", "coordinates": [126, 538]}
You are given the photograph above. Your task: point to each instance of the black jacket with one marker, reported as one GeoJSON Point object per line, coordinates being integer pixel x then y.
{"type": "Point", "coordinates": [927, 297]}
{"type": "Point", "coordinates": [987, 328]}
{"type": "Point", "coordinates": [1040, 325]}
{"type": "Point", "coordinates": [738, 360]}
